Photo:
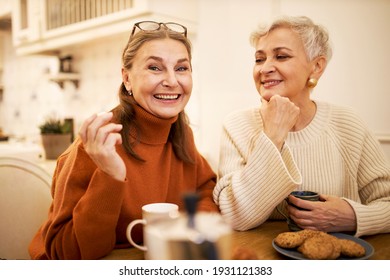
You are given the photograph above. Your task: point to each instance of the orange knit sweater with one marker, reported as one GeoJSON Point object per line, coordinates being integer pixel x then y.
{"type": "Point", "coordinates": [91, 210]}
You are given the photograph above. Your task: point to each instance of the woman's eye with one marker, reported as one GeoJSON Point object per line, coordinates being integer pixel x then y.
{"type": "Point", "coordinates": [260, 60]}
{"type": "Point", "coordinates": [153, 68]}
{"type": "Point", "coordinates": [282, 57]}
{"type": "Point", "coordinates": [182, 68]}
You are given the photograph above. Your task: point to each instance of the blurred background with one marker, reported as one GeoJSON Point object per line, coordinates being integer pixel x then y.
{"type": "Point", "coordinates": [63, 58]}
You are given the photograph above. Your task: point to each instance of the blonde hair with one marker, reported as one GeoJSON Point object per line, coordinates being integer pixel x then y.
{"type": "Point", "coordinates": [315, 37]}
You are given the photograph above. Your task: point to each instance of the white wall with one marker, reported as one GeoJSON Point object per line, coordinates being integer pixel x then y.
{"type": "Point", "coordinates": [223, 60]}
{"type": "Point", "coordinates": [225, 63]}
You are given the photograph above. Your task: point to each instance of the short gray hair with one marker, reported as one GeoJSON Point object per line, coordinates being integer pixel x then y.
{"type": "Point", "coordinates": [315, 37]}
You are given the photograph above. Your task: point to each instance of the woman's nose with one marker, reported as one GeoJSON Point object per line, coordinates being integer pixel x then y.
{"type": "Point", "coordinates": [267, 67]}
{"type": "Point", "coordinates": [170, 79]}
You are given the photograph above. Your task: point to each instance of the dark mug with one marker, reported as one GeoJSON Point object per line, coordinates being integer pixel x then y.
{"type": "Point", "coordinates": [306, 195]}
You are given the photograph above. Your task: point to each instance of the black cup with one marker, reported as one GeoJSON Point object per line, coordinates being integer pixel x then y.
{"type": "Point", "coordinates": [306, 195]}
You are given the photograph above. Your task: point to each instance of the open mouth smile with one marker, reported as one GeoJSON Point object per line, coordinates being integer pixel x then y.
{"type": "Point", "coordinates": [270, 83]}
{"type": "Point", "coordinates": [167, 96]}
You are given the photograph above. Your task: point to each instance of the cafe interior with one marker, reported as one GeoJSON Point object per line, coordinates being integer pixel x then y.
{"type": "Point", "coordinates": [62, 60]}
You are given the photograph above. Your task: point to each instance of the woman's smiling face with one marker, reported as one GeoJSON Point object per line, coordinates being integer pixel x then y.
{"type": "Point", "coordinates": [160, 78]}
{"type": "Point", "coordinates": [282, 67]}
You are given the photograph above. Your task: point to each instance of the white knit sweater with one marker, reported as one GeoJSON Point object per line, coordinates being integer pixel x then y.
{"type": "Point", "coordinates": [335, 155]}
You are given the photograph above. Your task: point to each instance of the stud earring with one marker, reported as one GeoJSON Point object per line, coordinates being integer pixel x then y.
{"type": "Point", "coordinates": [312, 82]}
{"type": "Point", "coordinates": [130, 92]}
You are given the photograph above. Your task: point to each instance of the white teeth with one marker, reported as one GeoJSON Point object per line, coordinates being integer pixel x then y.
{"type": "Point", "coordinates": [270, 83]}
{"type": "Point", "coordinates": [167, 97]}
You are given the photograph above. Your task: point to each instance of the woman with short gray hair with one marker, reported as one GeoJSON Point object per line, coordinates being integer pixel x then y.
{"type": "Point", "coordinates": [291, 141]}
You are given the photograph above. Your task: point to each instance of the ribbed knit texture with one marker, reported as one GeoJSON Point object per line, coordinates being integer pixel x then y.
{"type": "Point", "coordinates": [335, 155]}
{"type": "Point", "coordinates": [91, 210]}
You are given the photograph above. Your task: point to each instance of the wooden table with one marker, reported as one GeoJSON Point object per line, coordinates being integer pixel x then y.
{"type": "Point", "coordinates": [259, 241]}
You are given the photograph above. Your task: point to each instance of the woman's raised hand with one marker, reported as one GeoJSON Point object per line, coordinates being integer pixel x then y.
{"type": "Point", "coordinates": [100, 137]}
{"type": "Point", "coordinates": [279, 116]}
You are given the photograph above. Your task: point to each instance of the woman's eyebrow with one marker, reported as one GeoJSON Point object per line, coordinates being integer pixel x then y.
{"type": "Point", "coordinates": [274, 50]}
{"type": "Point", "coordinates": [180, 60]}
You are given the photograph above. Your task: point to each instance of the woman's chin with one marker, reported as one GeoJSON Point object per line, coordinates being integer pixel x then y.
{"type": "Point", "coordinates": [168, 113]}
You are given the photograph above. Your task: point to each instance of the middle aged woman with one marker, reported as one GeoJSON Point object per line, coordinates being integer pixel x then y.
{"type": "Point", "coordinates": [293, 142]}
{"type": "Point", "coordinates": [141, 152]}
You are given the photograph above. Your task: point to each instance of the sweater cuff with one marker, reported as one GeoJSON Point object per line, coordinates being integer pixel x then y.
{"type": "Point", "coordinates": [289, 163]}
{"type": "Point", "coordinates": [368, 221]}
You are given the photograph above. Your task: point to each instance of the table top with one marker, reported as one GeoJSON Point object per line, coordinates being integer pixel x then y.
{"type": "Point", "coordinates": [258, 243]}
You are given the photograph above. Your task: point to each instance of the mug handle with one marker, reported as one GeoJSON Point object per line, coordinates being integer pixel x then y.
{"type": "Point", "coordinates": [128, 233]}
{"type": "Point", "coordinates": [281, 212]}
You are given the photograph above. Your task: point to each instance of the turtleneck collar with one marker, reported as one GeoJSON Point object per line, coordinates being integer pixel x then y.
{"type": "Point", "coordinates": [151, 129]}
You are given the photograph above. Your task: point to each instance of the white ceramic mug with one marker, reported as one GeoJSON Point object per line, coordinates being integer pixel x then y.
{"type": "Point", "coordinates": [151, 213]}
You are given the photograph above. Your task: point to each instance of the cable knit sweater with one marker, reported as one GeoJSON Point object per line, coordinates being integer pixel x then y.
{"type": "Point", "coordinates": [335, 155]}
{"type": "Point", "coordinates": [91, 210]}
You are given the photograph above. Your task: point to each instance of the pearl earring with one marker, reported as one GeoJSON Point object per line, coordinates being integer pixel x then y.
{"type": "Point", "coordinates": [312, 82]}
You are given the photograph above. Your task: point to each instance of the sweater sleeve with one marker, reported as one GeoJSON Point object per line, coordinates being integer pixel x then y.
{"type": "Point", "coordinates": [254, 177]}
{"type": "Point", "coordinates": [366, 182]}
{"type": "Point", "coordinates": [87, 205]}
{"type": "Point", "coordinates": [373, 178]}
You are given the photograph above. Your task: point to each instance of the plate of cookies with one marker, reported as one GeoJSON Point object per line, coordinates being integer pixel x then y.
{"type": "Point", "coordinates": [317, 245]}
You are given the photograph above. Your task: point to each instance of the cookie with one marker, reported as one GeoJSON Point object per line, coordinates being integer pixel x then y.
{"type": "Point", "coordinates": [289, 240]}
{"type": "Point", "coordinates": [351, 249]}
{"type": "Point", "coordinates": [317, 248]}
{"type": "Point", "coordinates": [306, 233]}
{"type": "Point", "coordinates": [336, 246]}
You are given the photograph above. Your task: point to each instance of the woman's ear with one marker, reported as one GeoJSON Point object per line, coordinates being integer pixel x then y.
{"type": "Point", "coordinates": [125, 79]}
{"type": "Point", "coordinates": [319, 65]}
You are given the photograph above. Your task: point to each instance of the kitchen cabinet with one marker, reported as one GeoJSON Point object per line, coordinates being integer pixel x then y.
{"type": "Point", "coordinates": [25, 27]}
{"type": "Point", "coordinates": [47, 26]}
{"type": "Point", "coordinates": [50, 26]}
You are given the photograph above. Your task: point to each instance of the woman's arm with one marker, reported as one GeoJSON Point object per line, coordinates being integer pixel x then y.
{"type": "Point", "coordinates": [86, 206]}
{"type": "Point", "coordinates": [254, 177]}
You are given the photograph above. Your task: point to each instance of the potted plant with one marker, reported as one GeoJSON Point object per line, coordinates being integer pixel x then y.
{"type": "Point", "coordinates": [56, 136]}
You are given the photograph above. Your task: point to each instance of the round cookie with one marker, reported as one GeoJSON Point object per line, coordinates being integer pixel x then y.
{"type": "Point", "coordinates": [351, 249]}
{"type": "Point", "coordinates": [317, 248]}
{"type": "Point", "coordinates": [289, 240]}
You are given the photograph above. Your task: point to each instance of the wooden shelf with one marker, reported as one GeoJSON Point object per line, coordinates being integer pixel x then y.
{"type": "Point", "coordinates": [62, 77]}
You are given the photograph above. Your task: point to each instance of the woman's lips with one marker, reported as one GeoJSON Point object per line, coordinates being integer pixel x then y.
{"type": "Point", "coordinates": [270, 83]}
